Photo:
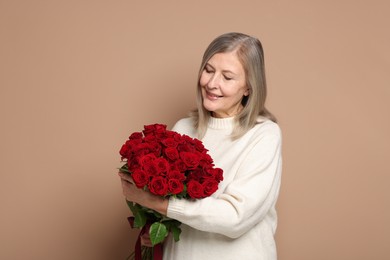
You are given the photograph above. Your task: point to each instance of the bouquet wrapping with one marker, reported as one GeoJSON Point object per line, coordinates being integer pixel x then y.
{"type": "Point", "coordinates": [166, 164]}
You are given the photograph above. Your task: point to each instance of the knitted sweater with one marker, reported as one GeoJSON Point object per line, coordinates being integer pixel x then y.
{"type": "Point", "coordinates": [239, 220]}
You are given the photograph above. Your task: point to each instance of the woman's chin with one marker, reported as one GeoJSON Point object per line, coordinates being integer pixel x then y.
{"type": "Point", "coordinates": [209, 107]}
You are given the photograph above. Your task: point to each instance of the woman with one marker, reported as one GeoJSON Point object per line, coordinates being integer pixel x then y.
{"type": "Point", "coordinates": [239, 220]}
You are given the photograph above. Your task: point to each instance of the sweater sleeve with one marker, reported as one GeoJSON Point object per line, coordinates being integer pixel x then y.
{"type": "Point", "coordinates": [247, 199]}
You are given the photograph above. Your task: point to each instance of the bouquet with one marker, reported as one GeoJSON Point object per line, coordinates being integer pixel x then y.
{"type": "Point", "coordinates": [166, 164]}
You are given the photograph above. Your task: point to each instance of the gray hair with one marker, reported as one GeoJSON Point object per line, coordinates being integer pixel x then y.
{"type": "Point", "coordinates": [250, 53]}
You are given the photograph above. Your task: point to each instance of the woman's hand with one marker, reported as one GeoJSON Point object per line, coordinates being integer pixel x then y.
{"type": "Point", "coordinates": [142, 197]}
{"type": "Point", "coordinates": [130, 191]}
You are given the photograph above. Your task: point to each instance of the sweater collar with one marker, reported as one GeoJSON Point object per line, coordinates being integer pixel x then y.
{"type": "Point", "coordinates": [221, 123]}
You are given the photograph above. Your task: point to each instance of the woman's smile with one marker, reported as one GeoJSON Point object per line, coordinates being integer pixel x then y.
{"type": "Point", "coordinates": [212, 96]}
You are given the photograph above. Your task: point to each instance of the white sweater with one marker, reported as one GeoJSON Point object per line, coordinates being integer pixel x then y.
{"type": "Point", "coordinates": [239, 220]}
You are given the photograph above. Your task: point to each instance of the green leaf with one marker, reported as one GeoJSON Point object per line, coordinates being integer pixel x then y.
{"type": "Point", "coordinates": [156, 214]}
{"type": "Point", "coordinates": [174, 227]}
{"type": "Point", "coordinates": [124, 169]}
{"type": "Point", "coordinates": [131, 205]}
{"type": "Point", "coordinates": [158, 231]}
{"type": "Point", "coordinates": [139, 219]}
{"type": "Point", "coordinates": [138, 213]}
{"type": "Point", "coordinates": [176, 231]}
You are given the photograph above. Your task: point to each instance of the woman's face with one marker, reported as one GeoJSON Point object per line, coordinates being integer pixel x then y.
{"type": "Point", "coordinates": [223, 85]}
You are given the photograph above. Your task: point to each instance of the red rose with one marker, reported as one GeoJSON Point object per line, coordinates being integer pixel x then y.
{"type": "Point", "coordinates": [191, 160]}
{"type": "Point", "coordinates": [146, 159]}
{"type": "Point", "coordinates": [187, 138]}
{"type": "Point", "coordinates": [148, 130]}
{"type": "Point", "coordinates": [171, 134]}
{"type": "Point", "coordinates": [218, 174]}
{"type": "Point", "coordinates": [150, 139]}
{"type": "Point", "coordinates": [175, 174]}
{"type": "Point", "coordinates": [180, 165]}
{"type": "Point", "coordinates": [206, 159]}
{"type": "Point", "coordinates": [158, 186]}
{"type": "Point", "coordinates": [197, 175]}
{"type": "Point", "coordinates": [195, 189]}
{"type": "Point", "coordinates": [132, 164]}
{"type": "Point", "coordinates": [209, 186]}
{"type": "Point", "coordinates": [162, 165]}
{"type": "Point", "coordinates": [185, 147]}
{"type": "Point", "coordinates": [199, 145]}
{"type": "Point", "coordinates": [214, 173]}
{"type": "Point", "coordinates": [171, 153]}
{"type": "Point", "coordinates": [141, 178]}
{"type": "Point", "coordinates": [155, 148]}
{"type": "Point", "coordinates": [155, 129]}
{"type": "Point", "coordinates": [169, 142]}
{"type": "Point", "coordinates": [150, 168]}
{"type": "Point", "coordinates": [175, 186]}
{"type": "Point", "coordinates": [177, 137]}
{"type": "Point", "coordinates": [160, 128]}
{"type": "Point", "coordinates": [141, 149]}
{"type": "Point", "coordinates": [124, 152]}
{"type": "Point", "coordinates": [135, 136]}
{"type": "Point", "coordinates": [128, 148]}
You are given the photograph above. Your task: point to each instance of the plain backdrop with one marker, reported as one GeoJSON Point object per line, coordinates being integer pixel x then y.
{"type": "Point", "coordinates": [77, 77]}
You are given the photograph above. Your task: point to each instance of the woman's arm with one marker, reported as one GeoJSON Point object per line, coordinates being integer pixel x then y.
{"type": "Point", "coordinates": [246, 201]}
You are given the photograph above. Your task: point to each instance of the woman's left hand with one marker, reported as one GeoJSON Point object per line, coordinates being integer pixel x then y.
{"type": "Point", "coordinates": [142, 197]}
{"type": "Point", "coordinates": [130, 191]}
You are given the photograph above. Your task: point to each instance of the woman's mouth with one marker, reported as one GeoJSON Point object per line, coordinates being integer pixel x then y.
{"type": "Point", "coordinates": [212, 96]}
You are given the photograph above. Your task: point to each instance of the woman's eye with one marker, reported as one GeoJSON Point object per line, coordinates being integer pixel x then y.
{"type": "Point", "coordinates": [227, 78]}
{"type": "Point", "coordinates": [208, 70]}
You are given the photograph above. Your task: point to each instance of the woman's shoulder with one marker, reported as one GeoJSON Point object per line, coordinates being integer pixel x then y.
{"type": "Point", "coordinates": [183, 122]}
{"type": "Point", "coordinates": [184, 126]}
{"type": "Point", "coordinates": [265, 126]}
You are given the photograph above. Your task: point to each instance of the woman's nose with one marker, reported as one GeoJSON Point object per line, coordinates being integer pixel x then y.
{"type": "Point", "coordinates": [213, 82]}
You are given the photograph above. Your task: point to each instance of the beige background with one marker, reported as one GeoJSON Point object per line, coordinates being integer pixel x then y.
{"type": "Point", "coordinates": [77, 77]}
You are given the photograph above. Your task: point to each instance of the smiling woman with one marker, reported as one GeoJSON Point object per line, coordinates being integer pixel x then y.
{"type": "Point", "coordinates": [232, 82]}
{"type": "Point", "coordinates": [238, 221]}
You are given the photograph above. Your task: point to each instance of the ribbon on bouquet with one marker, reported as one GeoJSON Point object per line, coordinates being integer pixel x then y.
{"type": "Point", "coordinates": [157, 249]}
